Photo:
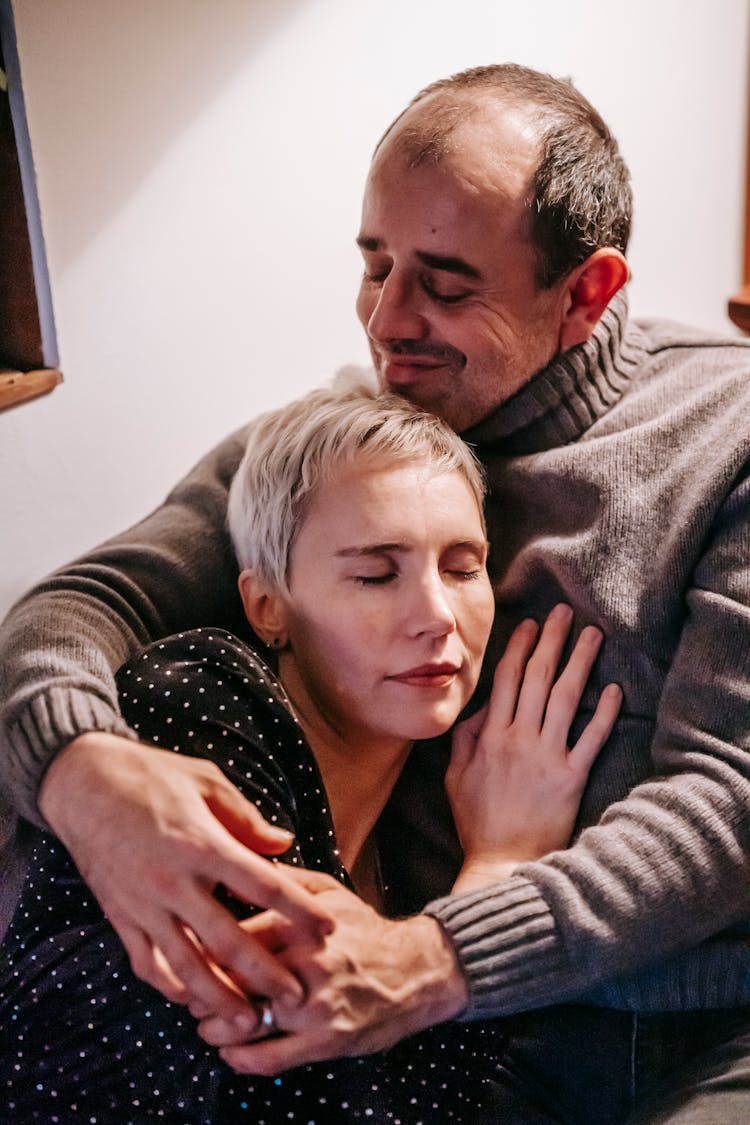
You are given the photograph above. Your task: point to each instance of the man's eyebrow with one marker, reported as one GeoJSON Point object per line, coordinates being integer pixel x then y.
{"type": "Point", "coordinates": [446, 262]}
{"type": "Point", "coordinates": [449, 265]}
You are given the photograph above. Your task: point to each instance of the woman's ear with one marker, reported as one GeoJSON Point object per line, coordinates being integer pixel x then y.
{"type": "Point", "coordinates": [265, 608]}
{"type": "Point", "coordinates": [589, 289]}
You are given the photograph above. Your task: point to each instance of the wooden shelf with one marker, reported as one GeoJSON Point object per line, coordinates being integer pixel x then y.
{"type": "Point", "coordinates": [738, 306]}
{"type": "Point", "coordinates": [739, 309]}
{"type": "Point", "coordinates": [20, 386]}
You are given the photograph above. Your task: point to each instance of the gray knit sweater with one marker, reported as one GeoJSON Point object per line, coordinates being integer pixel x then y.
{"type": "Point", "coordinates": [618, 483]}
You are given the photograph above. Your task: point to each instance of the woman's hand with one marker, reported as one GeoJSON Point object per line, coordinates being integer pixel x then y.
{"type": "Point", "coordinates": [513, 783]}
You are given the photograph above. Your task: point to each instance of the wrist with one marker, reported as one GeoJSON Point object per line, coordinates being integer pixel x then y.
{"type": "Point", "coordinates": [72, 777]}
{"type": "Point", "coordinates": [436, 985]}
{"type": "Point", "coordinates": [483, 872]}
{"type": "Point", "coordinates": [51, 798]}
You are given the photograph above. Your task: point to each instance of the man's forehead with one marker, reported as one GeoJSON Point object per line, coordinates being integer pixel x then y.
{"type": "Point", "coordinates": [491, 142]}
{"type": "Point", "coordinates": [444, 122]}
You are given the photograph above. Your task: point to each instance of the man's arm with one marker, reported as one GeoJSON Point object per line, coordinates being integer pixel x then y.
{"type": "Point", "coordinates": [62, 643]}
{"type": "Point", "coordinates": [666, 868]}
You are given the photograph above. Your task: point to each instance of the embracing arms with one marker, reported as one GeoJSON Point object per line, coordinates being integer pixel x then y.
{"type": "Point", "coordinates": [515, 788]}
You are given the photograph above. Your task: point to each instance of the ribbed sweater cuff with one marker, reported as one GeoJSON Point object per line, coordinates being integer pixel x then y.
{"type": "Point", "coordinates": [506, 942]}
{"type": "Point", "coordinates": [46, 725]}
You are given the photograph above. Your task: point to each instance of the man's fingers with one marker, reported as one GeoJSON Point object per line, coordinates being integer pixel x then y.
{"type": "Point", "coordinates": [315, 882]}
{"type": "Point", "coordinates": [243, 957]}
{"type": "Point", "coordinates": [149, 963]}
{"type": "Point", "coordinates": [464, 739]}
{"type": "Point", "coordinates": [257, 881]}
{"type": "Point", "coordinates": [198, 969]}
{"type": "Point", "coordinates": [243, 821]}
{"type": "Point", "coordinates": [272, 1056]}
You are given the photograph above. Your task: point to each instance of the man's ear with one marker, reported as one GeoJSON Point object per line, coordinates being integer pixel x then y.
{"type": "Point", "coordinates": [588, 290]}
{"type": "Point", "coordinates": [265, 608]}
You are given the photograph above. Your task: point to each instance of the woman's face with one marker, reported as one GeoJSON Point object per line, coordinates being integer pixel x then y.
{"type": "Point", "coordinates": [390, 607]}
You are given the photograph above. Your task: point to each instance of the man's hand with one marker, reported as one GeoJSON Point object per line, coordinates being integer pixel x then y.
{"type": "Point", "coordinates": [370, 983]}
{"type": "Point", "coordinates": [153, 833]}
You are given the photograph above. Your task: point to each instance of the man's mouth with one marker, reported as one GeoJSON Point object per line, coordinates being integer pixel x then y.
{"type": "Point", "coordinates": [402, 365]}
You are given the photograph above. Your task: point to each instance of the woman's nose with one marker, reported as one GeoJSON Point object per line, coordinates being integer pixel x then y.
{"type": "Point", "coordinates": [396, 314]}
{"type": "Point", "coordinates": [432, 611]}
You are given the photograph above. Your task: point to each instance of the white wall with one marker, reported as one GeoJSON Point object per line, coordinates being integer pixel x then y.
{"type": "Point", "coordinates": [200, 165]}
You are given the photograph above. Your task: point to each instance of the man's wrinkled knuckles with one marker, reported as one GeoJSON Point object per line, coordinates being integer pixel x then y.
{"type": "Point", "coordinates": [231, 946]}
{"type": "Point", "coordinates": [316, 920]}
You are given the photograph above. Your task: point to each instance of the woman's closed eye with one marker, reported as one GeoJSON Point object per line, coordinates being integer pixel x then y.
{"type": "Point", "coordinates": [374, 579]}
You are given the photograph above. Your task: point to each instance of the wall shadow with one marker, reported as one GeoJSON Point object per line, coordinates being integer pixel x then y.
{"type": "Point", "coordinates": [142, 65]}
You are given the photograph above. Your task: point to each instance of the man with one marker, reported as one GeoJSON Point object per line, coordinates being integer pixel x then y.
{"type": "Point", "coordinates": [494, 227]}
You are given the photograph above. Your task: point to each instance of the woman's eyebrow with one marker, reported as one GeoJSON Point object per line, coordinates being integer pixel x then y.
{"type": "Point", "coordinates": [476, 546]}
{"type": "Point", "coordinates": [370, 549]}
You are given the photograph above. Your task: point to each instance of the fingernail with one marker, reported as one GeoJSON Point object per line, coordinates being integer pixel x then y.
{"type": "Point", "coordinates": [292, 998]}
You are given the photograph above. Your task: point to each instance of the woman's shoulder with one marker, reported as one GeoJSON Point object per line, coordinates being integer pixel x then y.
{"type": "Point", "coordinates": [186, 664]}
{"type": "Point", "coordinates": [206, 693]}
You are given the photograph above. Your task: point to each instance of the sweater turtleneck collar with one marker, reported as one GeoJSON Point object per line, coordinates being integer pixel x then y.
{"type": "Point", "coordinates": [560, 402]}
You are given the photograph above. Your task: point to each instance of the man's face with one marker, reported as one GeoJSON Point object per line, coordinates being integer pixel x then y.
{"type": "Point", "coordinates": [448, 299]}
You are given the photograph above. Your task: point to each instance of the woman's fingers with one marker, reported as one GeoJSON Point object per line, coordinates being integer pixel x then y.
{"type": "Point", "coordinates": [509, 675]}
{"type": "Point", "coordinates": [541, 668]}
{"type": "Point", "coordinates": [566, 694]}
{"type": "Point", "coordinates": [597, 730]}
{"type": "Point", "coordinates": [464, 737]}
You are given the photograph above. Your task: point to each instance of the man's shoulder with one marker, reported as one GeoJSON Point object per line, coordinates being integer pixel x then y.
{"type": "Point", "coordinates": [692, 361]}
{"type": "Point", "coordinates": [659, 335]}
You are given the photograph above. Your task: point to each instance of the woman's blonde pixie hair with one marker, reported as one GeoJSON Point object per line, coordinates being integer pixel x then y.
{"type": "Point", "coordinates": [290, 451]}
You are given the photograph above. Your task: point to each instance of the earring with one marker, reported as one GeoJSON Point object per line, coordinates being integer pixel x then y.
{"type": "Point", "coordinates": [276, 643]}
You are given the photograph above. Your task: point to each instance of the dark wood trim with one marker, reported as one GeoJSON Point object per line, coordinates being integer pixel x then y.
{"type": "Point", "coordinates": [28, 348]}
{"type": "Point", "coordinates": [738, 306]}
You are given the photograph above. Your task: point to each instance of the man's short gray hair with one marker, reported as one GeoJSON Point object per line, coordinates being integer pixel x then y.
{"type": "Point", "coordinates": [582, 199]}
{"type": "Point", "coordinates": [292, 450]}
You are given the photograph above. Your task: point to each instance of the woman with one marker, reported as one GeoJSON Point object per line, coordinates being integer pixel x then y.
{"type": "Point", "coordinates": [357, 521]}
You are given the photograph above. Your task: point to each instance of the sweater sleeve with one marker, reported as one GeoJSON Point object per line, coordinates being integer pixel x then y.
{"type": "Point", "coordinates": [654, 899]}
{"type": "Point", "coordinates": [61, 644]}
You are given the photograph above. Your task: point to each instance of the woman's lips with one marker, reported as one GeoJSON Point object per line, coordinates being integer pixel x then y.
{"type": "Point", "coordinates": [427, 675]}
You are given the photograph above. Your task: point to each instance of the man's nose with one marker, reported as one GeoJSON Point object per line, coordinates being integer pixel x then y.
{"type": "Point", "coordinates": [397, 313]}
